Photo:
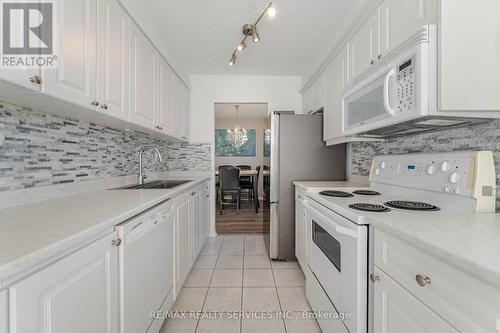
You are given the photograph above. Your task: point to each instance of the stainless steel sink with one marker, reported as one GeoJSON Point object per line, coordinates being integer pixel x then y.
{"type": "Point", "coordinates": [158, 184]}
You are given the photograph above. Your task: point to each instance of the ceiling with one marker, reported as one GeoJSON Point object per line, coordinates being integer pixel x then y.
{"type": "Point", "coordinates": [246, 110]}
{"type": "Point", "coordinates": [203, 34]}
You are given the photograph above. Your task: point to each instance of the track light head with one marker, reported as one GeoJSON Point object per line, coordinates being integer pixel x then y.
{"type": "Point", "coordinates": [271, 11]}
{"type": "Point", "coordinates": [232, 60]}
{"type": "Point", "coordinates": [255, 35]}
{"type": "Point", "coordinates": [242, 46]}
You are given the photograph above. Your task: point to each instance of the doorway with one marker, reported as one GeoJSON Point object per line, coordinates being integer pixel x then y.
{"type": "Point", "coordinates": [242, 159]}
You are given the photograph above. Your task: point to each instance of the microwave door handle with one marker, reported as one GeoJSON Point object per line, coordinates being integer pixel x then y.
{"type": "Point", "coordinates": [387, 102]}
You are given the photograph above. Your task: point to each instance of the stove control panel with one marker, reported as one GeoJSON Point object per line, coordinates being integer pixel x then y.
{"type": "Point", "coordinates": [466, 174]}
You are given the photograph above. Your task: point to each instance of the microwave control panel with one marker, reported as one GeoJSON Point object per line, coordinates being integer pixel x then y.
{"type": "Point", "coordinates": [406, 84]}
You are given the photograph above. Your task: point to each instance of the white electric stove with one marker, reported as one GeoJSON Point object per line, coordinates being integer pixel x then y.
{"type": "Point", "coordinates": [338, 220]}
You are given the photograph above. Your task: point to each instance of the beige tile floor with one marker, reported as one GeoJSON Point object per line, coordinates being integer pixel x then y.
{"type": "Point", "coordinates": [234, 273]}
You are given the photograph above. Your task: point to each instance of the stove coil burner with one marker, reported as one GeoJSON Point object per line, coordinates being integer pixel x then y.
{"type": "Point", "coordinates": [338, 194]}
{"type": "Point", "coordinates": [412, 205]}
{"type": "Point", "coordinates": [366, 192]}
{"type": "Point", "coordinates": [366, 207]}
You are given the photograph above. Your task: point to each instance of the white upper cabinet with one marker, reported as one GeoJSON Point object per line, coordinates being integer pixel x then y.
{"type": "Point", "coordinates": [399, 20]}
{"type": "Point", "coordinates": [24, 77]}
{"type": "Point", "coordinates": [336, 78]}
{"type": "Point", "coordinates": [314, 97]}
{"type": "Point", "coordinates": [469, 56]}
{"type": "Point", "coordinates": [143, 59]}
{"type": "Point", "coordinates": [113, 59]}
{"type": "Point", "coordinates": [164, 118]}
{"type": "Point", "coordinates": [77, 294]}
{"type": "Point", "coordinates": [181, 108]}
{"type": "Point", "coordinates": [364, 47]}
{"type": "Point", "coordinates": [75, 78]}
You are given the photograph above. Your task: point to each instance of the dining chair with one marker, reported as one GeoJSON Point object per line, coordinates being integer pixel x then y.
{"type": "Point", "coordinates": [246, 183]}
{"type": "Point", "coordinates": [229, 179]}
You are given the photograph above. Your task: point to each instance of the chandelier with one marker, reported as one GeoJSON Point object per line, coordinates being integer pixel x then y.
{"type": "Point", "coordinates": [237, 136]}
{"type": "Point", "coordinates": [267, 136]}
{"type": "Point", "coordinates": [250, 31]}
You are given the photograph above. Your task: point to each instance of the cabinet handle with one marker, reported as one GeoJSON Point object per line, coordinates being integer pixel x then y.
{"type": "Point", "coordinates": [379, 56]}
{"type": "Point", "coordinates": [116, 242]}
{"type": "Point", "coordinates": [104, 106]}
{"type": "Point", "coordinates": [374, 278]}
{"type": "Point", "coordinates": [158, 127]}
{"type": "Point", "coordinates": [372, 62]}
{"type": "Point", "coordinates": [422, 281]}
{"type": "Point", "coordinates": [94, 103]}
{"type": "Point", "coordinates": [36, 79]}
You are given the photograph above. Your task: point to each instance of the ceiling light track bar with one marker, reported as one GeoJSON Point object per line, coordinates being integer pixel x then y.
{"type": "Point", "coordinates": [250, 30]}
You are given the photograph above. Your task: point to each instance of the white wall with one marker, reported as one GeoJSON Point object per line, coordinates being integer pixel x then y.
{"type": "Point", "coordinates": [281, 93]}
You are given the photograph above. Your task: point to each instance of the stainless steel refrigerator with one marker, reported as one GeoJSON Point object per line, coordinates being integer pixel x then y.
{"type": "Point", "coordinates": [297, 153]}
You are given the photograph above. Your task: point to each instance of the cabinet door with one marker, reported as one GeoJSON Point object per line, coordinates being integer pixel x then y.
{"type": "Point", "coordinates": [364, 47]}
{"type": "Point", "coordinates": [187, 110]}
{"type": "Point", "coordinates": [399, 20]}
{"type": "Point", "coordinates": [196, 223]}
{"type": "Point", "coordinates": [20, 76]}
{"type": "Point", "coordinates": [179, 108]}
{"type": "Point", "coordinates": [143, 58]}
{"type": "Point", "coordinates": [206, 216]}
{"type": "Point", "coordinates": [182, 240]}
{"type": "Point", "coordinates": [113, 61]}
{"type": "Point", "coordinates": [396, 310]}
{"type": "Point", "coordinates": [75, 78]}
{"type": "Point", "coordinates": [469, 56]}
{"type": "Point", "coordinates": [164, 117]}
{"type": "Point", "coordinates": [336, 78]}
{"type": "Point", "coordinates": [300, 234]}
{"type": "Point", "coordinates": [77, 294]}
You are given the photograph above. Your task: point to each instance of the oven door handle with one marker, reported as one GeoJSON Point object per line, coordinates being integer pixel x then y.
{"type": "Point", "coordinates": [339, 229]}
{"type": "Point", "coordinates": [346, 231]}
{"type": "Point", "coordinates": [387, 102]}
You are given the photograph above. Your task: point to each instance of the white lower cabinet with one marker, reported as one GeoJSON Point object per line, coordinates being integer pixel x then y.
{"type": "Point", "coordinates": [396, 310]}
{"type": "Point", "coordinates": [207, 211]}
{"type": "Point", "coordinates": [300, 234]}
{"type": "Point", "coordinates": [77, 294]}
{"type": "Point", "coordinates": [4, 314]}
{"type": "Point", "coordinates": [182, 241]}
{"type": "Point", "coordinates": [195, 222]}
{"type": "Point", "coordinates": [463, 300]}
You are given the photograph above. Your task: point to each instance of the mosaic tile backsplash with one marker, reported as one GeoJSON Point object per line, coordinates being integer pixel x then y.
{"type": "Point", "coordinates": [479, 137]}
{"type": "Point", "coordinates": [43, 149]}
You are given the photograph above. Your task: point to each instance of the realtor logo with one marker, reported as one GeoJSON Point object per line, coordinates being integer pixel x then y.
{"type": "Point", "coordinates": [28, 34]}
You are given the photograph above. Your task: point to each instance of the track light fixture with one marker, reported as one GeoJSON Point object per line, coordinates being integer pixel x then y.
{"type": "Point", "coordinates": [250, 30]}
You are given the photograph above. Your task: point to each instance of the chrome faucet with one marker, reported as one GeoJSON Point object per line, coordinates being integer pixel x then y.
{"type": "Point", "coordinates": [141, 176]}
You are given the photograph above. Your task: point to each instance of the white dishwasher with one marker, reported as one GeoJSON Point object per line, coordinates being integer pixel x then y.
{"type": "Point", "coordinates": [146, 268]}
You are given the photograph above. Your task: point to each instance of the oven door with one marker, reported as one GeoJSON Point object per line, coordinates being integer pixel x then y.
{"type": "Point", "coordinates": [338, 259]}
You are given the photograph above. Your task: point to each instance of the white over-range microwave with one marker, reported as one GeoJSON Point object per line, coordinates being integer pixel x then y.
{"type": "Point", "coordinates": [399, 95]}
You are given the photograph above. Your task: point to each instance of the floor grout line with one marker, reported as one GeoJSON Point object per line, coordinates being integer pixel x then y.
{"type": "Point", "coordinates": [208, 288]}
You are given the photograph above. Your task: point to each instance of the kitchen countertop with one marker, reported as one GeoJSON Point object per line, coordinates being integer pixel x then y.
{"type": "Point", "coordinates": [35, 234]}
{"type": "Point", "coordinates": [310, 185]}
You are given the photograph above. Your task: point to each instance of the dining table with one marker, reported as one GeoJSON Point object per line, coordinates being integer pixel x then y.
{"type": "Point", "coordinates": [251, 173]}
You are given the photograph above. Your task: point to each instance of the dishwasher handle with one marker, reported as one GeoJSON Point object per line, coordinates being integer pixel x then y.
{"type": "Point", "coordinates": [143, 228]}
